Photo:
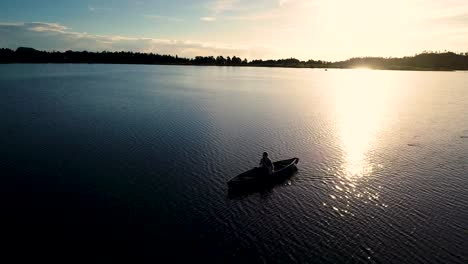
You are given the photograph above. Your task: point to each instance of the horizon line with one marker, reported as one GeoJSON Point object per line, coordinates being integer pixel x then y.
{"type": "Point", "coordinates": [215, 56]}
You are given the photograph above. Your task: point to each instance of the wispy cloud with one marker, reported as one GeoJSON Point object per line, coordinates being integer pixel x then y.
{"type": "Point", "coordinates": [248, 10]}
{"type": "Point", "coordinates": [167, 18]}
{"type": "Point", "coordinates": [97, 9]}
{"type": "Point", "coordinates": [41, 27]}
{"type": "Point", "coordinates": [207, 19]}
{"type": "Point", "coordinates": [217, 8]}
{"type": "Point", "coordinates": [52, 36]}
{"type": "Point", "coordinates": [284, 2]}
{"type": "Point", "coordinates": [220, 6]}
{"type": "Point", "coordinates": [252, 17]}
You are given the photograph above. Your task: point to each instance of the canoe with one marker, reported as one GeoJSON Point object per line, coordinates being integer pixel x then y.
{"type": "Point", "coordinates": [257, 176]}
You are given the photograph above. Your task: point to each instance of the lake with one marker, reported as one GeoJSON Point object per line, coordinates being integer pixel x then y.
{"type": "Point", "coordinates": [132, 161]}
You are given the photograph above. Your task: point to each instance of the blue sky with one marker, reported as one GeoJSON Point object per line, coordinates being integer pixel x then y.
{"type": "Point", "coordinates": [317, 29]}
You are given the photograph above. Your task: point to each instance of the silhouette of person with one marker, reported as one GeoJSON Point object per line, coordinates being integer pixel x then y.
{"type": "Point", "coordinates": [266, 165]}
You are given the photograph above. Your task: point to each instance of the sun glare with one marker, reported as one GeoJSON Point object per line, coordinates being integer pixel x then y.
{"type": "Point", "coordinates": [360, 108]}
{"type": "Point", "coordinates": [362, 67]}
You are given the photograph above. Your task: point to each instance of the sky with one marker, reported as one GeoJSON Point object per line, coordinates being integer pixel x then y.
{"type": "Point", "coordinates": [305, 29]}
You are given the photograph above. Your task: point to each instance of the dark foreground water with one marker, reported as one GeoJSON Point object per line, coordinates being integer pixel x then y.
{"type": "Point", "coordinates": [124, 161]}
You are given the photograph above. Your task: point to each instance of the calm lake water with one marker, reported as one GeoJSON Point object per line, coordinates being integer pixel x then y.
{"type": "Point", "coordinates": [132, 161]}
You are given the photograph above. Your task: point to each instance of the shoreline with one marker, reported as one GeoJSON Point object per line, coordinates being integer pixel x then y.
{"type": "Point", "coordinates": [256, 66]}
{"type": "Point", "coordinates": [426, 61]}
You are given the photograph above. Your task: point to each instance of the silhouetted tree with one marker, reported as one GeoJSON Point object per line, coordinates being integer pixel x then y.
{"type": "Point", "coordinates": [220, 60]}
{"type": "Point", "coordinates": [423, 61]}
{"type": "Point", "coordinates": [236, 61]}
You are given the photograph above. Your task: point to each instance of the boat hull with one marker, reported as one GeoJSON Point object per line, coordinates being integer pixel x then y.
{"type": "Point", "coordinates": [257, 176]}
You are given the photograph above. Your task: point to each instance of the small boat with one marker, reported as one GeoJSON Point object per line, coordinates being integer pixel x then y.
{"type": "Point", "coordinates": [257, 176]}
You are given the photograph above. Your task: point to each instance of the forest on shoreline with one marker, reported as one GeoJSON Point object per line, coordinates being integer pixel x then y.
{"type": "Point", "coordinates": [444, 61]}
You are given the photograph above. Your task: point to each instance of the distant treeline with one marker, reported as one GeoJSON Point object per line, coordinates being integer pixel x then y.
{"type": "Point", "coordinates": [30, 55]}
{"type": "Point", "coordinates": [423, 61]}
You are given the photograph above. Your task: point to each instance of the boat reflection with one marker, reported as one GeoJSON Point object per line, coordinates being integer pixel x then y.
{"type": "Point", "coordinates": [263, 189]}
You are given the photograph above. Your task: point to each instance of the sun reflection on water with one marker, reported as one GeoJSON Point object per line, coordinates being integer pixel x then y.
{"type": "Point", "coordinates": [360, 108]}
{"type": "Point", "coordinates": [361, 103]}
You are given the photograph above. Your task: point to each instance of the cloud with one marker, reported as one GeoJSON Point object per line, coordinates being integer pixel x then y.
{"type": "Point", "coordinates": [336, 30]}
{"type": "Point", "coordinates": [252, 17]}
{"type": "Point", "coordinates": [220, 6]}
{"type": "Point", "coordinates": [454, 20]}
{"type": "Point", "coordinates": [207, 19]}
{"type": "Point", "coordinates": [167, 18]}
{"type": "Point", "coordinates": [284, 2]}
{"type": "Point", "coordinates": [40, 27]}
{"type": "Point", "coordinates": [98, 9]}
{"type": "Point", "coordinates": [241, 10]}
{"type": "Point", "coordinates": [52, 36]}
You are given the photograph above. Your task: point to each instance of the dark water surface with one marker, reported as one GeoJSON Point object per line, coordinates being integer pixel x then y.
{"type": "Point", "coordinates": [132, 161]}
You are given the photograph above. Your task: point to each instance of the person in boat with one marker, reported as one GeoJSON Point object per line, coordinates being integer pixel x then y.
{"type": "Point", "coordinates": [266, 164]}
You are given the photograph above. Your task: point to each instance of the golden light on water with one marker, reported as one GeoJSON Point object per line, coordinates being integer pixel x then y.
{"type": "Point", "coordinates": [362, 67]}
{"type": "Point", "coordinates": [361, 103]}
{"type": "Point", "coordinates": [363, 99]}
